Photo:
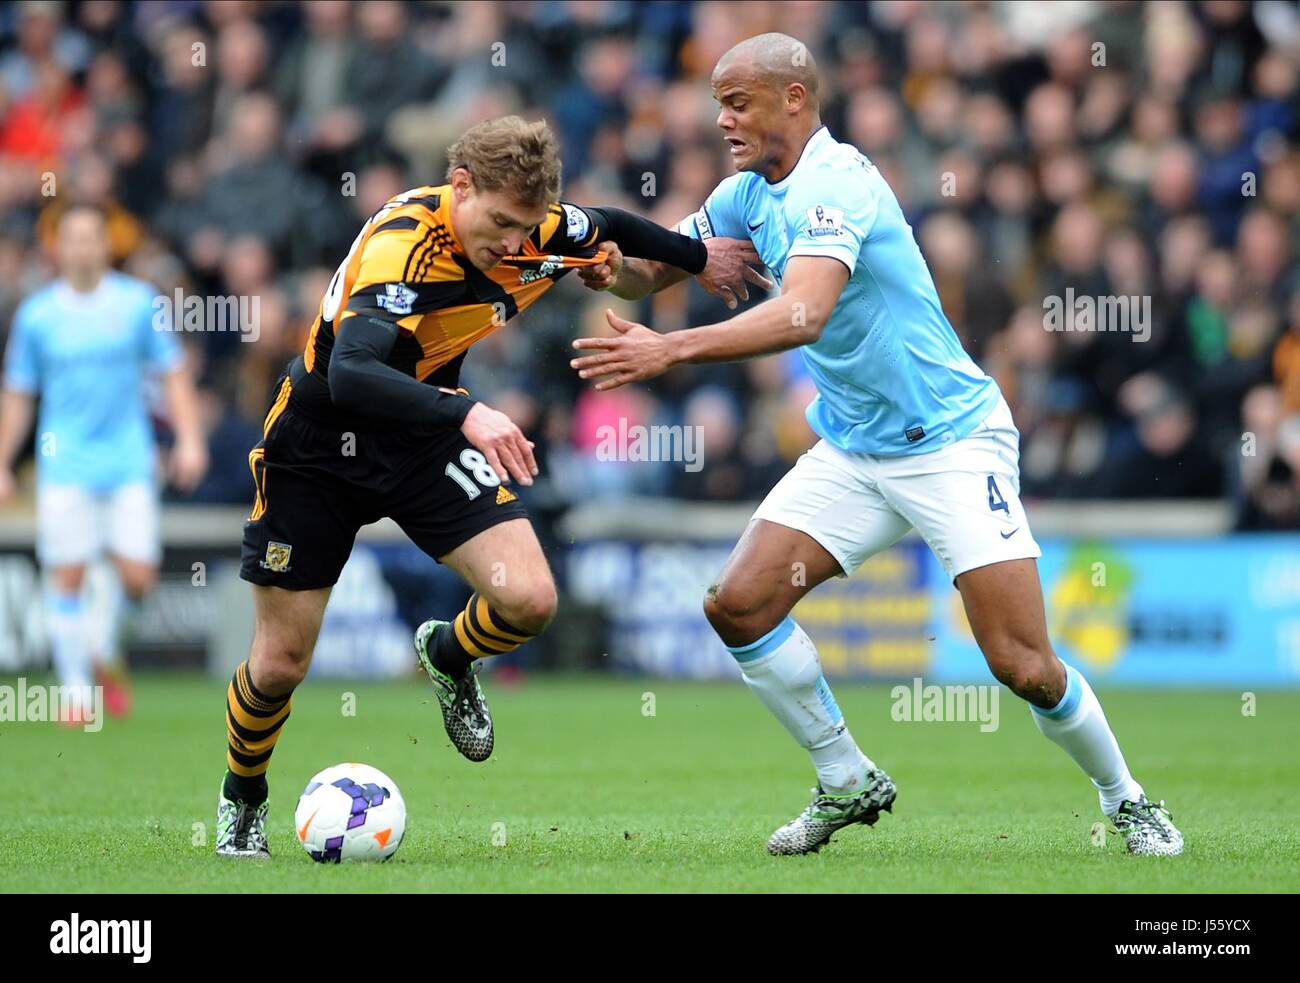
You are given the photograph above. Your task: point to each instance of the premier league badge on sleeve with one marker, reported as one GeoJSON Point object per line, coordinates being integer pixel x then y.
{"type": "Point", "coordinates": [824, 221]}
{"type": "Point", "coordinates": [577, 225]}
{"type": "Point", "coordinates": [397, 298]}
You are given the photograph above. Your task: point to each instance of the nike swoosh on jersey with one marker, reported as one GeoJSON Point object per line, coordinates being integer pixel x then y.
{"type": "Point", "coordinates": [1008, 535]}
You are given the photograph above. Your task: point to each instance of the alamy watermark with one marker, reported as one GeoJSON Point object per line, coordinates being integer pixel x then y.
{"type": "Point", "coordinates": [37, 704]}
{"type": "Point", "coordinates": [1085, 312]}
{"type": "Point", "coordinates": [965, 704]}
{"type": "Point", "coordinates": [638, 443]}
{"type": "Point", "coordinates": [75, 936]}
{"type": "Point", "coordinates": [191, 312]}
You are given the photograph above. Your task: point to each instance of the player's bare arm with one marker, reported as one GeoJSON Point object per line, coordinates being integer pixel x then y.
{"type": "Point", "coordinates": [730, 268]}
{"type": "Point", "coordinates": [652, 258]}
{"type": "Point", "coordinates": [17, 410]}
{"type": "Point", "coordinates": [810, 291]}
{"type": "Point", "coordinates": [189, 458]}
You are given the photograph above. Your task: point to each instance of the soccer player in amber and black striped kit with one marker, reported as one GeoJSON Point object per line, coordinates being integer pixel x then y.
{"type": "Point", "coordinates": [368, 422]}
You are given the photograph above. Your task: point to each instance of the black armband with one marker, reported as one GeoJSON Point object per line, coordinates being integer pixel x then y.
{"type": "Point", "coordinates": [643, 239]}
{"type": "Point", "coordinates": [360, 380]}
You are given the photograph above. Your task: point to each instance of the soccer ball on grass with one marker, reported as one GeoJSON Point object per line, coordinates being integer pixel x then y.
{"type": "Point", "coordinates": [350, 812]}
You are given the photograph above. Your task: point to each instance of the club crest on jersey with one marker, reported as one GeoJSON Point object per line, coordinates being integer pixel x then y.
{"type": "Point", "coordinates": [277, 557]}
{"type": "Point", "coordinates": [824, 221]}
{"type": "Point", "coordinates": [397, 298]}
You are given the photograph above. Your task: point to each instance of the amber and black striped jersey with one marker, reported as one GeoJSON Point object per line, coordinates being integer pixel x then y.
{"type": "Point", "coordinates": [407, 268]}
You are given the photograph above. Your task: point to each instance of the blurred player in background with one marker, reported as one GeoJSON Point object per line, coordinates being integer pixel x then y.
{"type": "Point", "coordinates": [369, 423]}
{"type": "Point", "coordinates": [913, 435]}
{"type": "Point", "coordinates": [83, 345]}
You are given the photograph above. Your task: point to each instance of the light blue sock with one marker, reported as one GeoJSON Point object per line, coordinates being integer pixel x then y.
{"type": "Point", "coordinates": [1078, 725]}
{"type": "Point", "coordinates": [783, 671]}
{"type": "Point", "coordinates": [65, 621]}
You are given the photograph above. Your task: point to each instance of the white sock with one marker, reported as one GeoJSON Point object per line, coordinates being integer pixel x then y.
{"type": "Point", "coordinates": [65, 618]}
{"type": "Point", "coordinates": [783, 671]}
{"type": "Point", "coordinates": [105, 616]}
{"type": "Point", "coordinates": [1078, 725]}
{"type": "Point", "coordinates": [109, 617]}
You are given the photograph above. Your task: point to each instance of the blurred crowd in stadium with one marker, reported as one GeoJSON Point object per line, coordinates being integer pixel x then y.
{"type": "Point", "coordinates": [1109, 149]}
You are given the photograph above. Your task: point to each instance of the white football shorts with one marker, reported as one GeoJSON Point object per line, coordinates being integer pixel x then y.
{"type": "Point", "coordinates": [74, 525]}
{"type": "Point", "coordinates": [963, 499]}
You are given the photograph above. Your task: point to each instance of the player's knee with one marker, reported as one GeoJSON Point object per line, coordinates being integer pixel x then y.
{"type": "Point", "coordinates": [1031, 674]}
{"type": "Point", "coordinates": [69, 579]}
{"type": "Point", "coordinates": [735, 612]}
{"type": "Point", "coordinates": [276, 671]}
{"type": "Point", "coordinates": [532, 610]}
{"type": "Point", "coordinates": [139, 582]}
{"type": "Point", "coordinates": [280, 658]}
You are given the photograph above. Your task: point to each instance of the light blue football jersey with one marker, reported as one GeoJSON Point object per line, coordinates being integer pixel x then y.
{"type": "Point", "coordinates": [892, 377]}
{"type": "Point", "coordinates": [87, 355]}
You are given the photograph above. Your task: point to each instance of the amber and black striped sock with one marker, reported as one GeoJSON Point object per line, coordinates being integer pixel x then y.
{"type": "Point", "coordinates": [477, 633]}
{"type": "Point", "coordinates": [253, 722]}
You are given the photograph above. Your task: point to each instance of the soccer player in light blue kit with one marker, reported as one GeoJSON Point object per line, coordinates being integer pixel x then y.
{"type": "Point", "coordinates": [83, 344]}
{"type": "Point", "coordinates": [913, 435]}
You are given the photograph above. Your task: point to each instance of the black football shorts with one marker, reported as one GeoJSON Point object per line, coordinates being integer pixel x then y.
{"type": "Point", "coordinates": [317, 485]}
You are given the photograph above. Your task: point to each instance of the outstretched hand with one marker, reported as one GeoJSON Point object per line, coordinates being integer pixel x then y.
{"type": "Point", "coordinates": [634, 353]}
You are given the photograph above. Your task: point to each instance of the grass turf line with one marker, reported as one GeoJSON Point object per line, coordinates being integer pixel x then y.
{"type": "Point", "coordinates": [594, 795]}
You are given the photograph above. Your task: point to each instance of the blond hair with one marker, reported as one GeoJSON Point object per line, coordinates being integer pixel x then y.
{"type": "Point", "coordinates": [512, 155]}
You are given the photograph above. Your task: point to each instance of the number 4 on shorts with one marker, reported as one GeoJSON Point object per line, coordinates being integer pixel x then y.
{"type": "Point", "coordinates": [996, 501]}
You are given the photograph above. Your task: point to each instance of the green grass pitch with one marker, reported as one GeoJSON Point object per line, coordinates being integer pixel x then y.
{"type": "Point", "coordinates": [594, 794]}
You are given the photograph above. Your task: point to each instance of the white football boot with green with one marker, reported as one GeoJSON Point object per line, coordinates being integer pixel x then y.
{"type": "Point", "coordinates": [830, 812]}
{"type": "Point", "coordinates": [465, 713]}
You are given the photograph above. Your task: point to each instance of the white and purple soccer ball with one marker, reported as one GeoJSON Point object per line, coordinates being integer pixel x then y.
{"type": "Point", "coordinates": [350, 812]}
